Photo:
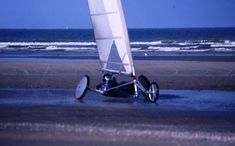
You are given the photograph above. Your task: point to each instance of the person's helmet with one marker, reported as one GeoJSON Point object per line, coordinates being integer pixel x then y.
{"type": "Point", "coordinates": [106, 77]}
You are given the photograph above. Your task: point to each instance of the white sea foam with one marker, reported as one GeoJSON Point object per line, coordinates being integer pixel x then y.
{"type": "Point", "coordinates": [152, 43]}
{"type": "Point", "coordinates": [147, 43]}
{"type": "Point", "coordinates": [222, 45]}
{"type": "Point", "coordinates": [53, 48]}
{"type": "Point", "coordinates": [164, 46]}
{"type": "Point", "coordinates": [3, 46]}
{"type": "Point", "coordinates": [206, 42]}
{"type": "Point", "coordinates": [177, 49]}
{"type": "Point", "coordinates": [135, 49]}
{"type": "Point", "coordinates": [166, 49]}
{"type": "Point", "coordinates": [185, 43]}
{"type": "Point", "coordinates": [224, 50]}
{"type": "Point", "coordinates": [226, 43]}
{"type": "Point", "coordinates": [196, 50]}
{"type": "Point", "coordinates": [172, 48]}
{"type": "Point", "coordinates": [78, 48]}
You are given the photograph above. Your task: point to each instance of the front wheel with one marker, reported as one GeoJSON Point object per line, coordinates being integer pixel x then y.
{"type": "Point", "coordinates": [82, 88]}
{"type": "Point", "coordinates": [153, 92]}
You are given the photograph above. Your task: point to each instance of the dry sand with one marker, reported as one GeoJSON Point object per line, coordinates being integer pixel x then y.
{"type": "Point", "coordinates": [169, 74]}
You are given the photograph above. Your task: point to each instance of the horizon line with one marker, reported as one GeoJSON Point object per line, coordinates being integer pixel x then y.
{"type": "Point", "coordinates": [127, 28]}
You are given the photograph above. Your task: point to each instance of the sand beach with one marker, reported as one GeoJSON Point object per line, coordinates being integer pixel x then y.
{"type": "Point", "coordinates": [174, 73]}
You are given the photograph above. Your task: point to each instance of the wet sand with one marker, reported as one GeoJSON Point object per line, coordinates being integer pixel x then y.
{"type": "Point", "coordinates": [65, 73]}
{"type": "Point", "coordinates": [54, 117]}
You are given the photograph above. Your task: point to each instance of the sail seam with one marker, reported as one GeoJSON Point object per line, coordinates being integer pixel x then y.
{"type": "Point", "coordinates": [105, 62]}
{"type": "Point", "coordinates": [109, 38]}
{"type": "Point", "coordinates": [106, 13]}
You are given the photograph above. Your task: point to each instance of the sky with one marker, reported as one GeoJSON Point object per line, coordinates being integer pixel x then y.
{"type": "Point", "coordinates": [51, 14]}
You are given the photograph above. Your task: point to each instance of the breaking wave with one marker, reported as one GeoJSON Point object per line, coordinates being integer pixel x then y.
{"type": "Point", "coordinates": [157, 46]}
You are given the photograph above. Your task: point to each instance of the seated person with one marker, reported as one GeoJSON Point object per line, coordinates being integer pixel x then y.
{"type": "Point", "coordinates": [109, 82]}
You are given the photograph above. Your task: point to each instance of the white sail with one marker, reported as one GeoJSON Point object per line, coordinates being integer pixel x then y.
{"type": "Point", "coordinates": [111, 36]}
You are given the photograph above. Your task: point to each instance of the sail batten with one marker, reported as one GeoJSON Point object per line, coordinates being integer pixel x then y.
{"type": "Point", "coordinates": [106, 13]}
{"type": "Point", "coordinates": [108, 38]}
{"type": "Point", "coordinates": [111, 36]}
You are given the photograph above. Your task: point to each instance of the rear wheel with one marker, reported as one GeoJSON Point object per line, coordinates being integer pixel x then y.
{"type": "Point", "coordinates": [82, 87]}
{"type": "Point", "coordinates": [153, 92]}
{"type": "Point", "coordinates": [146, 84]}
{"type": "Point", "coordinates": [144, 81]}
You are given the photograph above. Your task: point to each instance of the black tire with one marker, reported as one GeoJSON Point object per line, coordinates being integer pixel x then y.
{"type": "Point", "coordinates": [146, 84]}
{"type": "Point", "coordinates": [153, 92]}
{"type": "Point", "coordinates": [144, 81]}
{"type": "Point", "coordinates": [82, 87]}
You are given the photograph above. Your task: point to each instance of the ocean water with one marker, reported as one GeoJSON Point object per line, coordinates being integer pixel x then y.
{"type": "Point", "coordinates": [153, 42]}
